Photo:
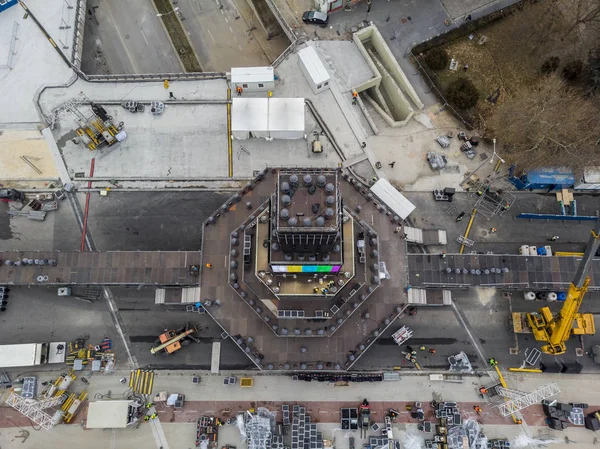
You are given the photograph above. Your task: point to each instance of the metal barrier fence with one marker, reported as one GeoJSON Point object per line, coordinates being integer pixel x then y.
{"type": "Point", "coordinates": [156, 77]}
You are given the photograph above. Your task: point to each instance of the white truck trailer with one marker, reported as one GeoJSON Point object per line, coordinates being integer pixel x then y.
{"type": "Point", "coordinates": [32, 354]}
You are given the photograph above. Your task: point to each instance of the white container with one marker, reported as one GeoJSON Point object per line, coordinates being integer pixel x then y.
{"type": "Point", "coordinates": [548, 250]}
{"type": "Point", "coordinates": [524, 250]}
{"type": "Point", "coordinates": [533, 250]}
{"type": "Point", "coordinates": [551, 297]}
{"type": "Point", "coordinates": [529, 296]}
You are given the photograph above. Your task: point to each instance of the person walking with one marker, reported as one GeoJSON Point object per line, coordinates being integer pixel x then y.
{"type": "Point", "coordinates": [493, 230]}
{"type": "Point", "coordinates": [391, 164]}
{"type": "Point", "coordinates": [354, 97]}
{"type": "Point", "coordinates": [208, 265]}
{"type": "Point", "coordinates": [239, 91]}
{"type": "Point", "coordinates": [466, 67]}
{"type": "Point", "coordinates": [554, 238]}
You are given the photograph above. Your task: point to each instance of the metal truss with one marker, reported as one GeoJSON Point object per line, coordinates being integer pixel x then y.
{"type": "Point", "coordinates": [34, 410]}
{"type": "Point", "coordinates": [519, 400]}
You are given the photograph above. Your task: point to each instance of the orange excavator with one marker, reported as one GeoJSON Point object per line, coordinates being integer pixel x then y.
{"type": "Point", "coordinates": [172, 340]}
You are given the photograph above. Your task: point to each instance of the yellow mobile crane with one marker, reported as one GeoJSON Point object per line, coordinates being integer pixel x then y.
{"type": "Point", "coordinates": [556, 330]}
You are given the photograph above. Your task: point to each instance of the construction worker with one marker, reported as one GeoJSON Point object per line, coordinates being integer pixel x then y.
{"type": "Point", "coordinates": [477, 409]}
{"type": "Point", "coordinates": [483, 390]}
{"type": "Point", "coordinates": [519, 422]}
{"type": "Point", "coordinates": [153, 415]}
{"type": "Point", "coordinates": [239, 91]}
{"type": "Point", "coordinates": [354, 97]}
{"type": "Point", "coordinates": [146, 418]}
{"type": "Point", "coordinates": [208, 265]}
{"type": "Point", "coordinates": [443, 254]}
{"type": "Point", "coordinates": [493, 230]}
{"type": "Point", "coordinates": [493, 362]}
{"type": "Point", "coordinates": [270, 94]}
{"type": "Point", "coordinates": [554, 238]}
{"type": "Point", "coordinates": [149, 405]}
{"type": "Point", "coordinates": [432, 351]}
{"type": "Point", "coordinates": [460, 216]}
{"type": "Point", "coordinates": [422, 348]}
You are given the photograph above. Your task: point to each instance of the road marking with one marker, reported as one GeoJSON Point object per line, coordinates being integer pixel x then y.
{"type": "Point", "coordinates": [144, 36]}
{"type": "Point", "coordinates": [226, 20]}
{"type": "Point", "coordinates": [240, 48]}
{"type": "Point", "coordinates": [231, 30]}
{"type": "Point", "coordinates": [135, 68]}
{"type": "Point", "coordinates": [211, 36]}
{"type": "Point", "coordinates": [158, 434]}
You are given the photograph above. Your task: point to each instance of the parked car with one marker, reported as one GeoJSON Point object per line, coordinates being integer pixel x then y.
{"type": "Point", "coordinates": [315, 17]}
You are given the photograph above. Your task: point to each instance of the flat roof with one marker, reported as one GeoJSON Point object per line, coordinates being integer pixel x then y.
{"type": "Point", "coordinates": [309, 57]}
{"type": "Point", "coordinates": [393, 198]}
{"type": "Point", "coordinates": [33, 62]}
{"type": "Point", "coordinates": [17, 355]}
{"type": "Point", "coordinates": [107, 414]}
{"type": "Point", "coordinates": [299, 202]}
{"type": "Point", "coordinates": [252, 74]}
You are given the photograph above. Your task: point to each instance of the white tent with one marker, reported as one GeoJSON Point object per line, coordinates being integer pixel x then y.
{"type": "Point", "coordinates": [286, 118]}
{"type": "Point", "coordinates": [107, 414]}
{"type": "Point", "coordinates": [393, 199]}
{"type": "Point", "coordinates": [249, 115]}
{"type": "Point", "coordinates": [277, 118]}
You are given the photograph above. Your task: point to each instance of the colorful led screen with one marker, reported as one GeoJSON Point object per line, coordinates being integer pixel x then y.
{"type": "Point", "coordinates": [306, 268]}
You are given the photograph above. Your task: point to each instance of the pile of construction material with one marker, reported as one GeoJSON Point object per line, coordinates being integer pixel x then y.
{"type": "Point", "coordinates": [35, 206]}
{"type": "Point", "coordinates": [559, 415]}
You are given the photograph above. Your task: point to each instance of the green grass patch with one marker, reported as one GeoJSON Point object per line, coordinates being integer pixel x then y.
{"type": "Point", "coordinates": [178, 36]}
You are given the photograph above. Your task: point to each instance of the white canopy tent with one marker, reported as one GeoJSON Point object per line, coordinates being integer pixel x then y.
{"type": "Point", "coordinates": [392, 198]}
{"type": "Point", "coordinates": [249, 115]}
{"type": "Point", "coordinates": [107, 414]}
{"type": "Point", "coordinates": [286, 118]}
{"type": "Point", "coordinates": [276, 118]}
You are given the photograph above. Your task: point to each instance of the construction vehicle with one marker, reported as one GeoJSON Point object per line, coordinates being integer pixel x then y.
{"type": "Point", "coordinates": [172, 340]}
{"type": "Point", "coordinates": [556, 330]}
{"type": "Point", "coordinates": [32, 354]}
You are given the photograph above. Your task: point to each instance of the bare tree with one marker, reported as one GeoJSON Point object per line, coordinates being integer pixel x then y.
{"type": "Point", "coordinates": [583, 13]}
{"type": "Point", "coordinates": [549, 124]}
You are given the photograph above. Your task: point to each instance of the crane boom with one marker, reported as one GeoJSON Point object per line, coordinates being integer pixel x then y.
{"type": "Point", "coordinates": [556, 330]}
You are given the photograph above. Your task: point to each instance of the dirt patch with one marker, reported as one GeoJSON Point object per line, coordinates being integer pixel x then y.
{"type": "Point", "coordinates": [178, 36]}
{"type": "Point", "coordinates": [505, 55]}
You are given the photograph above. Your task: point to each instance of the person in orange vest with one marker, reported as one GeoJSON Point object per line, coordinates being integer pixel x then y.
{"type": "Point", "coordinates": [209, 265]}
{"type": "Point", "coordinates": [239, 91]}
{"type": "Point", "coordinates": [483, 390]}
{"type": "Point", "coordinates": [477, 409]}
{"type": "Point", "coordinates": [354, 97]}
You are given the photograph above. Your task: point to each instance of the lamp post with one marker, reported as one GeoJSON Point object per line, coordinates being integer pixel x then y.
{"type": "Point", "coordinates": [494, 154]}
{"type": "Point", "coordinates": [167, 13]}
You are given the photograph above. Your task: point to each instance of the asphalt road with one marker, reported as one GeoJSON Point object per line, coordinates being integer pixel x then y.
{"type": "Point", "coordinates": [220, 36]}
{"type": "Point", "coordinates": [126, 37]}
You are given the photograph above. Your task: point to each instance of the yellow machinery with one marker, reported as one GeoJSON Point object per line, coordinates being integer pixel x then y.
{"type": "Point", "coordinates": [71, 405]}
{"type": "Point", "coordinates": [556, 330]}
{"type": "Point", "coordinates": [172, 340]}
{"type": "Point", "coordinates": [515, 419]}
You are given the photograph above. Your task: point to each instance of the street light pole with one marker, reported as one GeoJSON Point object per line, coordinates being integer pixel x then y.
{"type": "Point", "coordinates": [167, 13]}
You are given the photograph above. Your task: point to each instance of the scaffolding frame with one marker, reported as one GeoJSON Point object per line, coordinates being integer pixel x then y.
{"type": "Point", "coordinates": [34, 409]}
{"type": "Point", "coordinates": [489, 201]}
{"type": "Point", "coordinates": [519, 400]}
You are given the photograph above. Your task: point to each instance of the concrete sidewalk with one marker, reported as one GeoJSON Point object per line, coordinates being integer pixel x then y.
{"type": "Point", "coordinates": [322, 400]}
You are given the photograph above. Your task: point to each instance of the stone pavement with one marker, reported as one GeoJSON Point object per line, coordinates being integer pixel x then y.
{"type": "Point", "coordinates": [323, 400]}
